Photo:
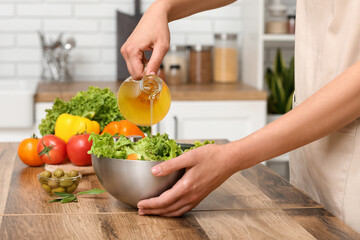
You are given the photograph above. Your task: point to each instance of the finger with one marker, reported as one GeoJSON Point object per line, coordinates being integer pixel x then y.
{"type": "Point", "coordinates": [156, 58]}
{"type": "Point", "coordinates": [172, 165]}
{"type": "Point", "coordinates": [177, 209]}
{"type": "Point", "coordinates": [134, 60]}
{"type": "Point", "coordinates": [144, 59]}
{"type": "Point", "coordinates": [137, 68]}
{"type": "Point", "coordinates": [126, 58]}
{"type": "Point", "coordinates": [160, 211]}
{"type": "Point", "coordinates": [129, 67]}
{"type": "Point", "coordinates": [167, 198]}
{"type": "Point", "coordinates": [179, 212]}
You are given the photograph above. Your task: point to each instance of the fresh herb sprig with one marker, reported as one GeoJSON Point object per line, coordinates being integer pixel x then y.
{"type": "Point", "coordinates": [69, 197]}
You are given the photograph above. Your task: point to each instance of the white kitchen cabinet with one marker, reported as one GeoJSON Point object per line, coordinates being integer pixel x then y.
{"type": "Point", "coordinates": [230, 120]}
{"type": "Point", "coordinates": [15, 134]}
{"type": "Point", "coordinates": [40, 113]}
{"type": "Point", "coordinates": [18, 134]}
{"type": "Point", "coordinates": [17, 105]}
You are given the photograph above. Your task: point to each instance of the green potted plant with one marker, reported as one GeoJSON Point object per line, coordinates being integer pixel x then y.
{"type": "Point", "coordinates": [280, 82]}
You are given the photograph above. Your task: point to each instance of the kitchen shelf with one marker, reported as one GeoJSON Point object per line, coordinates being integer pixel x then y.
{"type": "Point", "coordinates": [279, 37]}
{"type": "Point", "coordinates": [256, 42]}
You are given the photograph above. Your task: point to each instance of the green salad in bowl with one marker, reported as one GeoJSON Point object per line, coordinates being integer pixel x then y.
{"type": "Point", "coordinates": [158, 147]}
{"type": "Point", "coordinates": [130, 181]}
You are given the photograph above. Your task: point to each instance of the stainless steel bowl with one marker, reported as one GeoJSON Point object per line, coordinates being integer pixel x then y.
{"type": "Point", "coordinates": [130, 181]}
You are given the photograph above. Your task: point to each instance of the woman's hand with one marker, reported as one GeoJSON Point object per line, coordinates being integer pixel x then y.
{"type": "Point", "coordinates": [152, 33]}
{"type": "Point", "coordinates": [206, 169]}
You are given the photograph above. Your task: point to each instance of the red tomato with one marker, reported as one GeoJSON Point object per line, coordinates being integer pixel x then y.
{"type": "Point", "coordinates": [77, 148]}
{"type": "Point", "coordinates": [52, 149]}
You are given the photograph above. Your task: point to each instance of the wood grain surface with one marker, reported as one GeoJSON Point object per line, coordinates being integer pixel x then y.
{"type": "Point", "coordinates": [68, 166]}
{"type": "Point", "coordinates": [8, 155]}
{"type": "Point", "coordinates": [47, 92]}
{"type": "Point", "coordinates": [253, 204]}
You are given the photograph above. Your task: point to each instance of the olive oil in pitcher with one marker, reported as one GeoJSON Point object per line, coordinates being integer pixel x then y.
{"type": "Point", "coordinates": [145, 102]}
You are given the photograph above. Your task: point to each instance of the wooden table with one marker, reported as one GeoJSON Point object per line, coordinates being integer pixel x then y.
{"type": "Point", "coordinates": [253, 204]}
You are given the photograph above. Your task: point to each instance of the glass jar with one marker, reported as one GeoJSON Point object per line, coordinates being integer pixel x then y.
{"type": "Point", "coordinates": [161, 72]}
{"type": "Point", "coordinates": [177, 55]}
{"type": "Point", "coordinates": [174, 78]}
{"type": "Point", "coordinates": [277, 21]}
{"type": "Point", "coordinates": [145, 102]}
{"type": "Point", "coordinates": [276, 26]}
{"type": "Point", "coordinates": [200, 64]}
{"type": "Point", "coordinates": [225, 58]}
{"type": "Point", "coordinates": [291, 20]}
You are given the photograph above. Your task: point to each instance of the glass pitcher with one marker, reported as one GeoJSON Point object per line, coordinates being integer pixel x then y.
{"type": "Point", "coordinates": [145, 102]}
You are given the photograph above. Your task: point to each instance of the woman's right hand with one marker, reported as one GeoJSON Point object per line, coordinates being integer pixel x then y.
{"type": "Point", "coordinates": [207, 167]}
{"type": "Point", "coordinates": [152, 33]}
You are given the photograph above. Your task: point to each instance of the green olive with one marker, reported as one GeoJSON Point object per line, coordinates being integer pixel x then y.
{"type": "Point", "coordinates": [58, 189]}
{"type": "Point", "coordinates": [72, 188]}
{"type": "Point", "coordinates": [58, 173]}
{"type": "Point", "coordinates": [77, 180]}
{"type": "Point", "coordinates": [65, 182]}
{"type": "Point", "coordinates": [45, 174]}
{"type": "Point", "coordinates": [73, 173]}
{"type": "Point", "coordinates": [43, 180]}
{"type": "Point", "coordinates": [53, 182]}
{"type": "Point", "coordinates": [46, 188]}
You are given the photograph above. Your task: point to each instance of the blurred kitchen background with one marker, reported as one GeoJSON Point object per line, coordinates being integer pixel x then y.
{"type": "Point", "coordinates": [261, 27]}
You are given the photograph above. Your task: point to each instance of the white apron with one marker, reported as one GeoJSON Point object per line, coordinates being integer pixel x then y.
{"type": "Point", "coordinates": [328, 42]}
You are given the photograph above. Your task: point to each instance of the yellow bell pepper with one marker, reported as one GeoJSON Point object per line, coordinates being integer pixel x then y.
{"type": "Point", "coordinates": [68, 125]}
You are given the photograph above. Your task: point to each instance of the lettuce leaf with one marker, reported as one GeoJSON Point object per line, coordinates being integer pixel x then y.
{"type": "Point", "coordinates": [104, 146]}
{"type": "Point", "coordinates": [102, 102]}
{"type": "Point", "coordinates": [199, 144]}
{"type": "Point", "coordinates": [153, 148]}
{"type": "Point", "coordinates": [157, 148]}
{"type": "Point", "coordinates": [47, 125]}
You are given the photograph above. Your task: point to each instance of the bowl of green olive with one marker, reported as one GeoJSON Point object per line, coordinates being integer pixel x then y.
{"type": "Point", "coordinates": [59, 181]}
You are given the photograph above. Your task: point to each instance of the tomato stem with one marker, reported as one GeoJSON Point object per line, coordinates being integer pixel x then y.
{"type": "Point", "coordinates": [46, 150]}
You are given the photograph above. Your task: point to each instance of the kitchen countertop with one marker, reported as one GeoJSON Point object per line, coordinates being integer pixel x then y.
{"type": "Point", "coordinates": [47, 92]}
{"type": "Point", "coordinates": [254, 203]}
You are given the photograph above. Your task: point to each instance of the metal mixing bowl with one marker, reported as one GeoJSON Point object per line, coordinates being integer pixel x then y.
{"type": "Point", "coordinates": [130, 181]}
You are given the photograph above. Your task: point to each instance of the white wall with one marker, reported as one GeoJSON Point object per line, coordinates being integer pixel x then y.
{"type": "Point", "coordinates": [92, 24]}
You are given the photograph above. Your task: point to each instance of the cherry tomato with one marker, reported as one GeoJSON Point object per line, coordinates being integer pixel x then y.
{"type": "Point", "coordinates": [124, 127]}
{"type": "Point", "coordinates": [77, 148]}
{"type": "Point", "coordinates": [28, 154]}
{"type": "Point", "coordinates": [52, 149]}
